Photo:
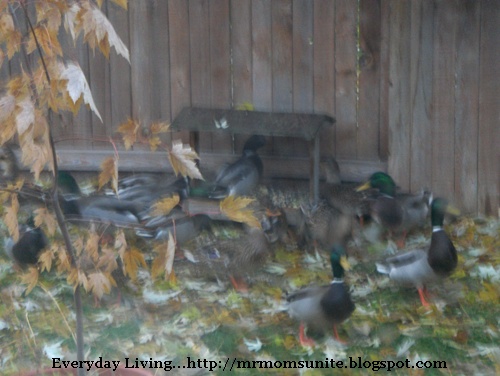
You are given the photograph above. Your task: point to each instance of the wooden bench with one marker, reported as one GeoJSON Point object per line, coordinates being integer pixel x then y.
{"type": "Point", "coordinates": [300, 125]}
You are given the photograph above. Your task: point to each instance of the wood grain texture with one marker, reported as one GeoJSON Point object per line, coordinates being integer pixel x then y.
{"type": "Point", "coordinates": [368, 81]}
{"type": "Point", "coordinates": [383, 120]}
{"type": "Point", "coordinates": [345, 78]}
{"type": "Point", "coordinates": [489, 110]}
{"type": "Point", "coordinates": [467, 108]}
{"type": "Point", "coordinates": [443, 148]}
{"type": "Point", "coordinates": [324, 67]}
{"type": "Point", "coordinates": [421, 82]}
{"type": "Point", "coordinates": [399, 93]}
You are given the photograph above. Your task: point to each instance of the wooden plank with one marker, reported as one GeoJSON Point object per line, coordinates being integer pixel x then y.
{"type": "Point", "coordinates": [261, 55]}
{"type": "Point", "coordinates": [79, 128]}
{"type": "Point", "coordinates": [180, 76]}
{"type": "Point", "coordinates": [324, 72]}
{"type": "Point", "coordinates": [445, 33]}
{"type": "Point", "coordinates": [147, 161]}
{"type": "Point", "coordinates": [467, 112]}
{"type": "Point", "coordinates": [262, 76]}
{"type": "Point", "coordinates": [399, 93]}
{"type": "Point", "coordinates": [489, 110]}
{"type": "Point", "coordinates": [120, 70]}
{"type": "Point", "coordinates": [220, 63]}
{"type": "Point", "coordinates": [282, 74]}
{"type": "Point", "coordinates": [302, 64]}
{"type": "Point", "coordinates": [346, 16]}
{"type": "Point", "coordinates": [421, 50]}
{"type": "Point", "coordinates": [368, 81]}
{"type": "Point", "coordinates": [385, 37]}
{"type": "Point", "coordinates": [241, 45]}
{"type": "Point", "coordinates": [199, 34]}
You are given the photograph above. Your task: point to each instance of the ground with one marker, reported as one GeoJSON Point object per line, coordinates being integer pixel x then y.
{"type": "Point", "coordinates": [193, 320]}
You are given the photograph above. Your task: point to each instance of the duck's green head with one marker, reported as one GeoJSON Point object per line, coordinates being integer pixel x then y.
{"type": "Point", "coordinates": [381, 181]}
{"type": "Point", "coordinates": [67, 183]}
{"type": "Point", "coordinates": [338, 260]}
{"type": "Point", "coordinates": [439, 208]}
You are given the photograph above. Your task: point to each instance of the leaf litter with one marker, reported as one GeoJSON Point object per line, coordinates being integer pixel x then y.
{"type": "Point", "coordinates": [166, 320]}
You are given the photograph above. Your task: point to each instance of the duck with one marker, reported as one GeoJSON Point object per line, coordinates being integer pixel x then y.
{"type": "Point", "coordinates": [322, 307]}
{"type": "Point", "coordinates": [241, 177]}
{"type": "Point", "coordinates": [420, 267]}
{"type": "Point", "coordinates": [236, 259]}
{"type": "Point", "coordinates": [182, 226]}
{"type": "Point", "coordinates": [100, 208]}
{"type": "Point", "coordinates": [397, 212]}
{"type": "Point", "coordinates": [32, 241]}
{"type": "Point", "coordinates": [343, 196]}
{"type": "Point", "coordinates": [325, 225]}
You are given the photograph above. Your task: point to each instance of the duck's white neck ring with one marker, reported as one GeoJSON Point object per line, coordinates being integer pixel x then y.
{"type": "Point", "coordinates": [437, 228]}
{"type": "Point", "coordinates": [337, 280]}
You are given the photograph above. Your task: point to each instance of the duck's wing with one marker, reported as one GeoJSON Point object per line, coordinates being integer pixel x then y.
{"type": "Point", "coordinates": [408, 268]}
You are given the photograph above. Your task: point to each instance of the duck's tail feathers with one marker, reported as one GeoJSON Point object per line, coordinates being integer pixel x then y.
{"type": "Point", "coordinates": [383, 268]}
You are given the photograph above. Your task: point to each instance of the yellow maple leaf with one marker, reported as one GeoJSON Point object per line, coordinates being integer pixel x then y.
{"type": "Point", "coordinates": [107, 260]}
{"type": "Point", "coordinates": [30, 278]}
{"type": "Point", "coordinates": [99, 284]}
{"type": "Point", "coordinates": [165, 205]}
{"type": "Point", "coordinates": [120, 242]}
{"type": "Point", "coordinates": [159, 127]}
{"type": "Point", "coordinates": [132, 259]}
{"type": "Point", "coordinates": [122, 3]}
{"type": "Point", "coordinates": [109, 173]}
{"type": "Point", "coordinates": [154, 142]}
{"type": "Point", "coordinates": [63, 263]}
{"type": "Point", "coordinates": [10, 218]}
{"type": "Point", "coordinates": [182, 158]}
{"type": "Point", "coordinates": [128, 131]}
{"type": "Point", "coordinates": [163, 262]}
{"type": "Point", "coordinates": [236, 209]}
{"type": "Point", "coordinates": [45, 260]}
{"type": "Point", "coordinates": [92, 245]}
{"type": "Point", "coordinates": [43, 217]}
{"type": "Point", "coordinates": [245, 106]}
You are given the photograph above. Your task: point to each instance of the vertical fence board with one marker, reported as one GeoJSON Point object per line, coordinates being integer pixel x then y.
{"type": "Point", "coordinates": [443, 98]}
{"type": "Point", "coordinates": [180, 87]}
{"type": "Point", "coordinates": [383, 120]}
{"type": "Point", "coordinates": [399, 94]}
{"type": "Point", "coordinates": [199, 31]}
{"type": "Point", "coordinates": [119, 70]}
{"type": "Point", "coordinates": [345, 80]}
{"type": "Point", "coordinates": [466, 111]}
{"type": "Point", "coordinates": [302, 65]}
{"type": "Point", "coordinates": [220, 63]}
{"type": "Point", "coordinates": [324, 72]}
{"type": "Point", "coordinates": [282, 66]}
{"type": "Point", "coordinates": [241, 45]}
{"type": "Point", "coordinates": [489, 109]}
{"type": "Point", "coordinates": [421, 49]}
{"type": "Point", "coordinates": [369, 73]}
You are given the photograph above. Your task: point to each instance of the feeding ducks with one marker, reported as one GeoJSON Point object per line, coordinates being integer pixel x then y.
{"type": "Point", "coordinates": [241, 177]}
{"type": "Point", "coordinates": [32, 241]}
{"type": "Point", "coordinates": [419, 267]}
{"type": "Point", "coordinates": [397, 213]}
{"type": "Point", "coordinates": [322, 307]}
{"type": "Point", "coordinates": [98, 208]}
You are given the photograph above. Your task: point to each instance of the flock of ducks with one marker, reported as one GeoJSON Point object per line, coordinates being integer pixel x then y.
{"type": "Point", "coordinates": [327, 225]}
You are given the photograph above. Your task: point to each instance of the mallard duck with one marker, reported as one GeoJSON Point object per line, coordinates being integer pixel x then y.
{"type": "Point", "coordinates": [396, 212]}
{"type": "Point", "coordinates": [237, 258]}
{"type": "Point", "coordinates": [322, 307]}
{"type": "Point", "coordinates": [32, 241]}
{"type": "Point", "coordinates": [325, 225]}
{"type": "Point", "coordinates": [342, 196]}
{"type": "Point", "coordinates": [182, 226]}
{"type": "Point", "coordinates": [241, 177]}
{"type": "Point", "coordinates": [98, 208]}
{"type": "Point", "coordinates": [419, 267]}
{"type": "Point", "coordinates": [9, 169]}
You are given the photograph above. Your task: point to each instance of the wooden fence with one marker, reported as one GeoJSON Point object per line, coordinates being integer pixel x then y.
{"type": "Point", "coordinates": [413, 84]}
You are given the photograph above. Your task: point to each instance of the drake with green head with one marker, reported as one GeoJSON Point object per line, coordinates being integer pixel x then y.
{"type": "Point", "coordinates": [322, 307]}
{"type": "Point", "coordinates": [396, 212]}
{"type": "Point", "coordinates": [419, 267]}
